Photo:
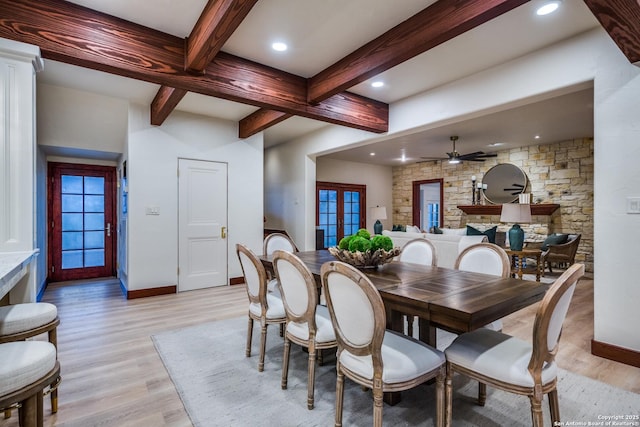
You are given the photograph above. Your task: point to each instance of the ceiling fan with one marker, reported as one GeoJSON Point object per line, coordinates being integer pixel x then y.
{"type": "Point", "coordinates": [455, 157]}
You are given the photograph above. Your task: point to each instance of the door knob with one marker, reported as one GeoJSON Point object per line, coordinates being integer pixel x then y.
{"type": "Point", "coordinates": [223, 232]}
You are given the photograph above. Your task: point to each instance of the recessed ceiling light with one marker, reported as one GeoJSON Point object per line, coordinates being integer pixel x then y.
{"type": "Point", "coordinates": [279, 46]}
{"type": "Point", "coordinates": [548, 7]}
{"type": "Point", "coordinates": [372, 154]}
{"type": "Point", "coordinates": [496, 144]}
{"type": "Point", "coordinates": [377, 84]}
{"type": "Point", "coordinates": [537, 137]}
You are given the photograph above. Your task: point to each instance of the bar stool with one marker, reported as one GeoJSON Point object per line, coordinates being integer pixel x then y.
{"type": "Point", "coordinates": [26, 369]}
{"type": "Point", "coordinates": [19, 322]}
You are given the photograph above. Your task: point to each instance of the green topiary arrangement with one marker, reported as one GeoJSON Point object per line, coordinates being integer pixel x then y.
{"type": "Point", "coordinates": [362, 250]}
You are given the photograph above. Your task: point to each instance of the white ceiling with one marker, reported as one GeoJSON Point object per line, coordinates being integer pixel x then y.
{"type": "Point", "coordinates": [321, 32]}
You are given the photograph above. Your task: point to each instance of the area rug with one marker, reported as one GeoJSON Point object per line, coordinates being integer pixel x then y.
{"type": "Point", "coordinates": [219, 386]}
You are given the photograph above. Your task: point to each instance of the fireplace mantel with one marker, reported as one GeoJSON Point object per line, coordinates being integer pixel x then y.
{"type": "Point", "coordinates": [536, 209]}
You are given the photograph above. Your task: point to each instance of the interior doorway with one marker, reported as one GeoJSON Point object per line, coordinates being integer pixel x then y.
{"type": "Point", "coordinates": [339, 210]}
{"type": "Point", "coordinates": [82, 221]}
{"type": "Point", "coordinates": [428, 199]}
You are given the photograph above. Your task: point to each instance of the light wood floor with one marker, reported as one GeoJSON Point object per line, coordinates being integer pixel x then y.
{"type": "Point", "coordinates": [112, 375]}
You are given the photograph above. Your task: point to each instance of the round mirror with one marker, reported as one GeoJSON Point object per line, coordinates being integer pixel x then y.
{"type": "Point", "coordinates": [504, 183]}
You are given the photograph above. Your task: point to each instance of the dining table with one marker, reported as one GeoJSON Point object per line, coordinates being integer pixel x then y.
{"type": "Point", "coordinates": [454, 300]}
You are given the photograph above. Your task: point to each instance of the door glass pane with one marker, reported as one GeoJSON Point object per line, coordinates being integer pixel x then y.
{"type": "Point", "coordinates": [93, 239]}
{"type": "Point", "coordinates": [72, 184]}
{"type": "Point", "coordinates": [71, 259]}
{"type": "Point", "coordinates": [94, 258]}
{"type": "Point", "coordinates": [71, 203]}
{"type": "Point", "coordinates": [71, 222]}
{"type": "Point", "coordinates": [94, 203]}
{"type": "Point", "coordinates": [93, 185]}
{"type": "Point", "coordinates": [71, 240]}
{"type": "Point", "coordinates": [94, 221]}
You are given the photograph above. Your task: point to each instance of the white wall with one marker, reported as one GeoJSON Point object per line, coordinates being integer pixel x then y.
{"type": "Point", "coordinates": [72, 118]}
{"type": "Point", "coordinates": [152, 163]}
{"type": "Point", "coordinates": [378, 179]}
{"type": "Point", "coordinates": [548, 72]}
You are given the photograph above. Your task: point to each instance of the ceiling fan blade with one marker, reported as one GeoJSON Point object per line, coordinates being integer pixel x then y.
{"type": "Point", "coordinates": [473, 159]}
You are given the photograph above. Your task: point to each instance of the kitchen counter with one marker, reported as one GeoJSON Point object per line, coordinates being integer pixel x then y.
{"type": "Point", "coordinates": [13, 267]}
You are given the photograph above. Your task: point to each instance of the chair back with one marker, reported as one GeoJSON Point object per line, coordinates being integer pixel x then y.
{"type": "Point", "coordinates": [278, 241]}
{"type": "Point", "coordinates": [255, 276]}
{"type": "Point", "coordinates": [486, 258]}
{"type": "Point", "coordinates": [298, 288]}
{"type": "Point", "coordinates": [552, 311]}
{"type": "Point", "coordinates": [356, 310]}
{"type": "Point", "coordinates": [419, 251]}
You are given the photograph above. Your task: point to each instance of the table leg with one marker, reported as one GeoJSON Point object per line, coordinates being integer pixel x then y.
{"type": "Point", "coordinates": [427, 332]}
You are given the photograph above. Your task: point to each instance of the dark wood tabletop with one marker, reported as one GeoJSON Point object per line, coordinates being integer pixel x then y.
{"type": "Point", "coordinates": [454, 300]}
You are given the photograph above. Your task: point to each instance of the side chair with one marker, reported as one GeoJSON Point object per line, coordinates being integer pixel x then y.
{"type": "Point", "coordinates": [274, 242]}
{"type": "Point", "coordinates": [368, 354]}
{"type": "Point", "coordinates": [418, 251]}
{"type": "Point", "coordinates": [264, 307]}
{"type": "Point", "coordinates": [308, 324]}
{"type": "Point", "coordinates": [514, 365]}
{"type": "Point", "coordinates": [486, 258]}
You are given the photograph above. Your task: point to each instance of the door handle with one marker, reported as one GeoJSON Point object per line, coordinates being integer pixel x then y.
{"type": "Point", "coordinates": [108, 229]}
{"type": "Point", "coordinates": [223, 232]}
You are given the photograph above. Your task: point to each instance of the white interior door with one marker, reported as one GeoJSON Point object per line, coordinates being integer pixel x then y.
{"type": "Point", "coordinates": [202, 217]}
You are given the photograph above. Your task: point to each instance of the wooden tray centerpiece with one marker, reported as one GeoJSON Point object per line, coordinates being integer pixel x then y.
{"type": "Point", "coordinates": [361, 250]}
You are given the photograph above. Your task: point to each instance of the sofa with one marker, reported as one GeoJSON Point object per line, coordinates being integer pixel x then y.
{"type": "Point", "coordinates": [448, 245]}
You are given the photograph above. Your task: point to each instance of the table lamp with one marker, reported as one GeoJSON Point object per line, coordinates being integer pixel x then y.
{"type": "Point", "coordinates": [516, 213]}
{"type": "Point", "coordinates": [379, 212]}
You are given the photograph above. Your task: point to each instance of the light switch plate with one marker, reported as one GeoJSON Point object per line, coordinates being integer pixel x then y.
{"type": "Point", "coordinates": [633, 205]}
{"type": "Point", "coordinates": [152, 210]}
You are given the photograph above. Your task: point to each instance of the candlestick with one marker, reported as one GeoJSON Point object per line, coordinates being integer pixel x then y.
{"type": "Point", "coordinates": [473, 190]}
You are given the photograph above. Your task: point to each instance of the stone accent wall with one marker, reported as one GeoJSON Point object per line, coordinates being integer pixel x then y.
{"type": "Point", "coordinates": [560, 173]}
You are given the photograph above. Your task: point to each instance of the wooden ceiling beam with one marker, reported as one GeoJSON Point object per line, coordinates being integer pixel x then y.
{"type": "Point", "coordinates": [621, 19]}
{"type": "Point", "coordinates": [438, 23]}
{"type": "Point", "coordinates": [218, 20]}
{"type": "Point", "coordinates": [80, 36]}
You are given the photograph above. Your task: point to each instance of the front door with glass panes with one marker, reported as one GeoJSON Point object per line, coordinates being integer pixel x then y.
{"type": "Point", "coordinates": [81, 221]}
{"type": "Point", "coordinates": [339, 210]}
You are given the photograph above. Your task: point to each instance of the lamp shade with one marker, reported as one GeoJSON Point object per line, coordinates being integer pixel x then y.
{"type": "Point", "coordinates": [515, 212]}
{"type": "Point", "coordinates": [379, 212]}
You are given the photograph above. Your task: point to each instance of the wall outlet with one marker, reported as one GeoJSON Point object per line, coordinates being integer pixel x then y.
{"type": "Point", "coordinates": [633, 205]}
{"type": "Point", "coordinates": [153, 210]}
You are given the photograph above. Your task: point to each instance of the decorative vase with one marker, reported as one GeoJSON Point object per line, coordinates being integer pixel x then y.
{"type": "Point", "coordinates": [516, 238]}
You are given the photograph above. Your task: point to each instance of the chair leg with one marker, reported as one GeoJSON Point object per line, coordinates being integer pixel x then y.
{"type": "Point", "coordinates": [53, 339]}
{"type": "Point", "coordinates": [377, 403]}
{"type": "Point", "coordinates": [263, 346]}
{"type": "Point", "coordinates": [249, 336]}
{"type": "Point", "coordinates": [448, 393]}
{"type": "Point", "coordinates": [440, 397]}
{"type": "Point", "coordinates": [536, 412]}
{"type": "Point", "coordinates": [482, 393]}
{"type": "Point", "coordinates": [285, 363]}
{"type": "Point", "coordinates": [554, 407]}
{"type": "Point", "coordinates": [28, 412]}
{"type": "Point", "coordinates": [311, 368]}
{"type": "Point", "coordinates": [339, 394]}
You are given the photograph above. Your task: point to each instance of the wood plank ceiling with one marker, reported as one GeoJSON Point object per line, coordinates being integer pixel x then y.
{"type": "Point", "coordinates": [80, 36]}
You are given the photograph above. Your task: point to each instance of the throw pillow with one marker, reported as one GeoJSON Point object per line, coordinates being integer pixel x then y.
{"type": "Point", "coordinates": [412, 229]}
{"type": "Point", "coordinates": [554, 239]}
{"type": "Point", "coordinates": [489, 232]}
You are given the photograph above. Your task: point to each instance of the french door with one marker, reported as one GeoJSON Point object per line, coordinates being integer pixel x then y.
{"type": "Point", "coordinates": [82, 221]}
{"type": "Point", "coordinates": [339, 210]}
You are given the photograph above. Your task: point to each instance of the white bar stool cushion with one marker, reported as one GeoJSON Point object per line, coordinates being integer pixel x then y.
{"type": "Point", "coordinates": [23, 363]}
{"type": "Point", "coordinates": [276, 308]}
{"type": "Point", "coordinates": [324, 327]}
{"type": "Point", "coordinates": [26, 316]}
{"type": "Point", "coordinates": [497, 355]}
{"type": "Point", "coordinates": [402, 359]}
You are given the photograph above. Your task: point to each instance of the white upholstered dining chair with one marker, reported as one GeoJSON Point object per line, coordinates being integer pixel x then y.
{"type": "Point", "coordinates": [368, 354]}
{"type": "Point", "coordinates": [308, 324]}
{"type": "Point", "coordinates": [274, 242]}
{"type": "Point", "coordinates": [485, 258]}
{"type": "Point", "coordinates": [264, 307]}
{"type": "Point", "coordinates": [417, 251]}
{"type": "Point", "coordinates": [514, 365]}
